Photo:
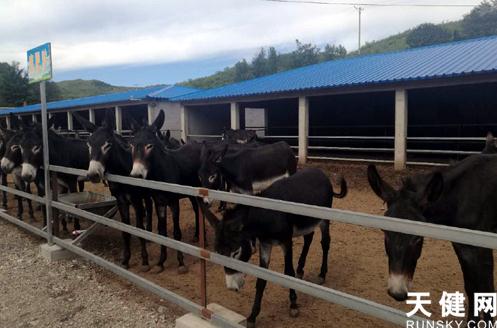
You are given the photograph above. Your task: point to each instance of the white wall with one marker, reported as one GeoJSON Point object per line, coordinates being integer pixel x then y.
{"type": "Point", "coordinates": [172, 121]}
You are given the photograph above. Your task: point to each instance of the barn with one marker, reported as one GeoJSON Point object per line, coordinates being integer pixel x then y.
{"type": "Point", "coordinates": [416, 105]}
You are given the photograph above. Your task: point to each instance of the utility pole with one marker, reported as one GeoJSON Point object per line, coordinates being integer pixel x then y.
{"type": "Point", "coordinates": [359, 10]}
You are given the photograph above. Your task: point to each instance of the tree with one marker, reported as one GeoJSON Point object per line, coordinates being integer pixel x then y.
{"type": "Point", "coordinates": [272, 60]}
{"type": "Point", "coordinates": [481, 21]}
{"type": "Point", "coordinates": [242, 71]}
{"type": "Point", "coordinates": [427, 34]}
{"type": "Point", "coordinates": [259, 64]}
{"type": "Point", "coordinates": [332, 52]}
{"type": "Point", "coordinates": [305, 54]}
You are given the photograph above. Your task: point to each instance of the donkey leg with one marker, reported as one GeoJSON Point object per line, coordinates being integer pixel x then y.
{"type": "Point", "coordinates": [476, 264]}
{"type": "Point", "coordinates": [139, 212]}
{"type": "Point", "coordinates": [193, 200]}
{"type": "Point", "coordinates": [260, 285]}
{"type": "Point", "coordinates": [20, 207]}
{"type": "Point", "coordinates": [123, 207]}
{"type": "Point", "coordinates": [149, 211]}
{"type": "Point", "coordinates": [303, 256]}
{"type": "Point", "coordinates": [161, 209]}
{"type": "Point", "coordinates": [30, 205]}
{"type": "Point", "coordinates": [177, 235]}
{"type": "Point", "coordinates": [289, 271]}
{"type": "Point", "coordinates": [325, 245]}
{"type": "Point", "coordinates": [4, 193]}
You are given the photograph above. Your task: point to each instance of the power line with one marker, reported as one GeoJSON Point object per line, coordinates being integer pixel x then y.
{"type": "Point", "coordinates": [376, 4]}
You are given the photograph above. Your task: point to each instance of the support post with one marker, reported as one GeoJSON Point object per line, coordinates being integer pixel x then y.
{"type": "Point", "coordinates": [150, 113]}
{"type": "Point", "coordinates": [70, 123]}
{"type": "Point", "coordinates": [401, 109]}
{"type": "Point", "coordinates": [184, 123]}
{"type": "Point", "coordinates": [303, 128]}
{"type": "Point", "coordinates": [46, 161]}
{"type": "Point", "coordinates": [91, 115]}
{"type": "Point", "coordinates": [8, 123]}
{"type": "Point", "coordinates": [33, 117]}
{"type": "Point", "coordinates": [119, 120]}
{"type": "Point", "coordinates": [235, 115]}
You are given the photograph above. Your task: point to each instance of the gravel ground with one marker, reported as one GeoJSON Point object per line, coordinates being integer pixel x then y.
{"type": "Point", "coordinates": [73, 293]}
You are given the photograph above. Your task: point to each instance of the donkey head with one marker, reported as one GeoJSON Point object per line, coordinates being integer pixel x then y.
{"type": "Point", "coordinates": [409, 202]}
{"type": "Point", "coordinates": [31, 147]}
{"type": "Point", "coordinates": [100, 144]}
{"type": "Point", "coordinates": [12, 156]}
{"type": "Point", "coordinates": [143, 145]}
{"type": "Point", "coordinates": [210, 158]}
{"type": "Point", "coordinates": [231, 240]}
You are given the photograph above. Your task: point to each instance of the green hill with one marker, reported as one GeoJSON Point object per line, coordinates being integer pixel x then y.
{"type": "Point", "coordinates": [83, 88]}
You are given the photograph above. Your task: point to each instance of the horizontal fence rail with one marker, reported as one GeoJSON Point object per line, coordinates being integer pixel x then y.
{"type": "Point", "coordinates": [458, 235]}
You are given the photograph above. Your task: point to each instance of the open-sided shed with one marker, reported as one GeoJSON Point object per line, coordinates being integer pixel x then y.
{"type": "Point", "coordinates": [363, 104]}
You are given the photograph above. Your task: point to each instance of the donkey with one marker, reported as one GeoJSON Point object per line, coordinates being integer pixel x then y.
{"type": "Point", "coordinates": [109, 153]}
{"type": "Point", "coordinates": [64, 151]}
{"type": "Point", "coordinates": [168, 141]}
{"type": "Point", "coordinates": [490, 144]}
{"type": "Point", "coordinates": [461, 196]}
{"type": "Point", "coordinates": [242, 224]}
{"type": "Point", "coordinates": [239, 136]}
{"type": "Point", "coordinates": [151, 160]}
{"type": "Point", "coordinates": [11, 164]}
{"type": "Point", "coordinates": [247, 170]}
{"type": "Point", "coordinates": [5, 136]}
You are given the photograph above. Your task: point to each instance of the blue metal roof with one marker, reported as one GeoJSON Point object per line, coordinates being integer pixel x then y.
{"type": "Point", "coordinates": [171, 92]}
{"type": "Point", "coordinates": [160, 92]}
{"type": "Point", "coordinates": [476, 56]}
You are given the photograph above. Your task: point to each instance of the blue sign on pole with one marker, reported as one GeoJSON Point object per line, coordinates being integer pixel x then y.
{"type": "Point", "coordinates": [40, 63]}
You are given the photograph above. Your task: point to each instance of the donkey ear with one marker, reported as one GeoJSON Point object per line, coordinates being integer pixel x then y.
{"type": "Point", "coordinates": [87, 125]}
{"type": "Point", "coordinates": [211, 218]}
{"type": "Point", "coordinates": [159, 121]}
{"type": "Point", "coordinates": [168, 135]}
{"type": "Point", "coordinates": [220, 156]}
{"type": "Point", "coordinates": [433, 190]}
{"type": "Point", "coordinates": [380, 187]}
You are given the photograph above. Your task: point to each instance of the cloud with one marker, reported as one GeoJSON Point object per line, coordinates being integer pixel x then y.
{"type": "Point", "coordinates": [102, 33]}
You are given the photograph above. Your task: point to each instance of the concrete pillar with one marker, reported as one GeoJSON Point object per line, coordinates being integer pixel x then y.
{"type": "Point", "coordinates": [184, 123]}
{"type": "Point", "coordinates": [119, 120]}
{"type": "Point", "coordinates": [150, 113]}
{"type": "Point", "coordinates": [400, 154]}
{"type": "Point", "coordinates": [303, 128]}
{"type": "Point", "coordinates": [235, 115]}
{"type": "Point", "coordinates": [91, 115]}
{"type": "Point", "coordinates": [33, 117]}
{"type": "Point", "coordinates": [70, 123]}
{"type": "Point", "coordinates": [8, 123]}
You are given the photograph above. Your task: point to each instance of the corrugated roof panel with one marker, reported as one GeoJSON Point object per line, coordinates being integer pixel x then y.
{"type": "Point", "coordinates": [171, 92]}
{"type": "Point", "coordinates": [452, 59]}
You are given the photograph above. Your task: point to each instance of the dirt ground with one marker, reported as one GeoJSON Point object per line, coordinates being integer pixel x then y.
{"type": "Point", "coordinates": [357, 265]}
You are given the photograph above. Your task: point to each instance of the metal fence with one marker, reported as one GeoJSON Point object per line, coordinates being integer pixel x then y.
{"type": "Point", "coordinates": [465, 236]}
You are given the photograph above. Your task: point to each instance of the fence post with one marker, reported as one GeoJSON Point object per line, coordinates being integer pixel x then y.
{"type": "Point", "coordinates": [46, 163]}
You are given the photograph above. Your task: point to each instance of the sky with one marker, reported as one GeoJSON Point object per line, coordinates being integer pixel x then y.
{"type": "Point", "coordinates": [138, 43]}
